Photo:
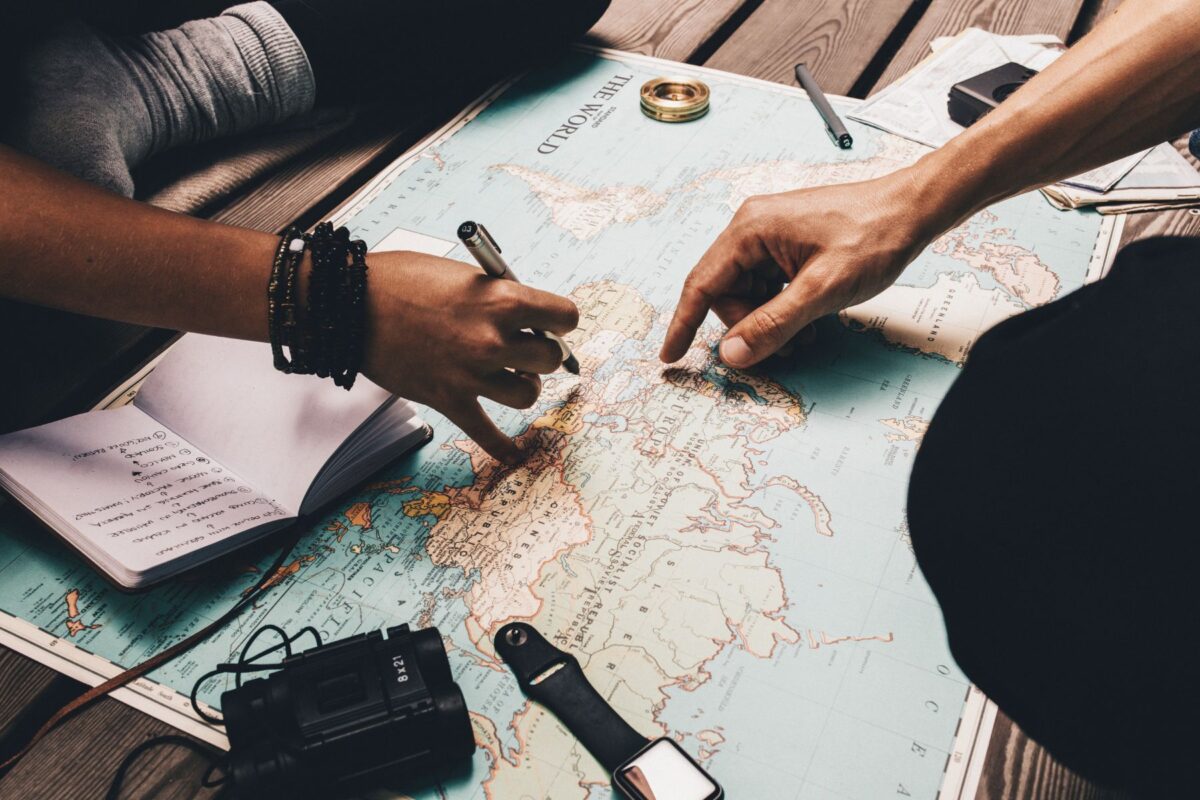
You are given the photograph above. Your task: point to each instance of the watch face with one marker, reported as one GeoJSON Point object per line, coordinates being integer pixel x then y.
{"type": "Point", "coordinates": [663, 771]}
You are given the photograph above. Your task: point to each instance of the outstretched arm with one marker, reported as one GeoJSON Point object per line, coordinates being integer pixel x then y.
{"type": "Point", "coordinates": [788, 259]}
{"type": "Point", "coordinates": [69, 245]}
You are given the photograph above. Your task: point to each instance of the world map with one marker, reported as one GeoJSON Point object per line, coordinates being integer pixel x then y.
{"type": "Point", "coordinates": [725, 551]}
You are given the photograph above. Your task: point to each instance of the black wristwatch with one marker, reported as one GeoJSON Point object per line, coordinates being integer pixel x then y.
{"type": "Point", "coordinates": [642, 769]}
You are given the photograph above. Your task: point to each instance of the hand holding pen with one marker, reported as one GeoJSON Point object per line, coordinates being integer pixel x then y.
{"type": "Point", "coordinates": [483, 249]}
{"type": "Point", "coordinates": [442, 333]}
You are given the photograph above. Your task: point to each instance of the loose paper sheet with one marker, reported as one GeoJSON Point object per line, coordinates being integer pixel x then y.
{"type": "Point", "coordinates": [914, 106]}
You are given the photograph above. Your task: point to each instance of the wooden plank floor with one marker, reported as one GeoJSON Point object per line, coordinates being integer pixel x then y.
{"type": "Point", "coordinates": [21, 681]}
{"type": "Point", "coordinates": [948, 17]}
{"type": "Point", "coordinates": [855, 46]}
{"type": "Point", "coordinates": [678, 31]}
{"type": "Point", "coordinates": [837, 39]}
{"type": "Point", "coordinates": [1019, 769]}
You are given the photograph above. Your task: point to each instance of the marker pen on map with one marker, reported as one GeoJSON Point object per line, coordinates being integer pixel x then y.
{"type": "Point", "coordinates": [833, 123]}
{"type": "Point", "coordinates": [483, 249]}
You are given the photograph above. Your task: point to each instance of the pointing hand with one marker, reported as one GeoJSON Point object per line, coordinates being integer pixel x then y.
{"type": "Point", "coordinates": [788, 259]}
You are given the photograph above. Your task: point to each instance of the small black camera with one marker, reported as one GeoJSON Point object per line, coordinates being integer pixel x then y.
{"type": "Point", "coordinates": [973, 98]}
{"type": "Point", "coordinates": [362, 712]}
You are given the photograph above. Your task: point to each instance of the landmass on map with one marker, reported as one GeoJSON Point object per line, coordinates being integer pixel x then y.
{"type": "Point", "coordinates": [1017, 269]}
{"type": "Point", "coordinates": [75, 626]}
{"type": "Point", "coordinates": [678, 512]}
{"type": "Point", "coordinates": [907, 429]}
{"type": "Point", "coordinates": [586, 212]}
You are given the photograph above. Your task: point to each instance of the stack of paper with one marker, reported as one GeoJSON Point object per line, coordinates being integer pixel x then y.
{"type": "Point", "coordinates": [915, 107]}
{"type": "Point", "coordinates": [1163, 179]}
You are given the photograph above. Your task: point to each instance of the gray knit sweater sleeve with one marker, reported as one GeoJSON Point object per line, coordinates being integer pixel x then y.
{"type": "Point", "coordinates": [97, 106]}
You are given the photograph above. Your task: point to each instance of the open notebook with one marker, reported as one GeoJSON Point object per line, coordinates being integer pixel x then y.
{"type": "Point", "coordinates": [217, 450]}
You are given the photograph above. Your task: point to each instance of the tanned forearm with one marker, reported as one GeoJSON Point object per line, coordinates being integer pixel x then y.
{"type": "Point", "coordinates": [1131, 83]}
{"type": "Point", "coordinates": [69, 245]}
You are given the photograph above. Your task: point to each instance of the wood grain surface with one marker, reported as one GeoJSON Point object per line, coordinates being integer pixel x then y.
{"type": "Point", "coordinates": [675, 30]}
{"type": "Point", "coordinates": [1020, 769]}
{"type": "Point", "coordinates": [301, 186]}
{"type": "Point", "coordinates": [1162, 223]}
{"type": "Point", "coordinates": [837, 39]}
{"type": "Point", "coordinates": [79, 759]}
{"type": "Point", "coordinates": [948, 17]}
{"type": "Point", "coordinates": [21, 680]}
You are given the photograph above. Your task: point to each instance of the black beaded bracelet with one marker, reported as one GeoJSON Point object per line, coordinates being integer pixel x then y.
{"type": "Point", "coordinates": [354, 314]}
{"type": "Point", "coordinates": [331, 340]}
{"type": "Point", "coordinates": [327, 259]}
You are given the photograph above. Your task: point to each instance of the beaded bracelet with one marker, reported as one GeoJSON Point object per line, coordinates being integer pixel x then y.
{"type": "Point", "coordinates": [329, 341]}
{"type": "Point", "coordinates": [329, 248]}
{"type": "Point", "coordinates": [354, 296]}
{"type": "Point", "coordinates": [289, 319]}
{"type": "Point", "coordinates": [275, 291]}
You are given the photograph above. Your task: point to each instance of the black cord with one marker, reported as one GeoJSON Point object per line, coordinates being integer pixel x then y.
{"type": "Point", "coordinates": [245, 663]}
{"type": "Point", "coordinates": [216, 761]}
{"type": "Point", "coordinates": [285, 643]}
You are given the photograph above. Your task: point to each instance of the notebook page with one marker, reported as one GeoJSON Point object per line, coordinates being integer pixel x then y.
{"type": "Point", "coordinates": [136, 493]}
{"type": "Point", "coordinates": [274, 430]}
{"type": "Point", "coordinates": [400, 432]}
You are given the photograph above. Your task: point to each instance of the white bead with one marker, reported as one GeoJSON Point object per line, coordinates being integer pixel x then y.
{"type": "Point", "coordinates": [296, 246]}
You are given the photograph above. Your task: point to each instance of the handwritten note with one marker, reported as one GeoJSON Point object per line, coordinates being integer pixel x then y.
{"type": "Point", "coordinates": [136, 492]}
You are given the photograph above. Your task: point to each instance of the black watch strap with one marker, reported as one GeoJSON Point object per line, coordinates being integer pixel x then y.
{"type": "Point", "coordinates": [567, 692]}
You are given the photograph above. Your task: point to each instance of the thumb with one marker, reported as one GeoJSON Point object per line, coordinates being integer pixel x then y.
{"type": "Point", "coordinates": [770, 326]}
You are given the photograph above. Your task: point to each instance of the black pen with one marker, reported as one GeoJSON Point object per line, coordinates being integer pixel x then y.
{"type": "Point", "coordinates": [833, 123]}
{"type": "Point", "coordinates": [486, 252]}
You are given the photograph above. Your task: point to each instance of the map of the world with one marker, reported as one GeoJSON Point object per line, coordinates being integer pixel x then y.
{"type": "Point", "coordinates": [726, 552]}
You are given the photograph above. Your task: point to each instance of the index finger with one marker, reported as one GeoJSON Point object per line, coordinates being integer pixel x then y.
{"type": "Point", "coordinates": [476, 424]}
{"type": "Point", "coordinates": [543, 311]}
{"type": "Point", "coordinates": [715, 274]}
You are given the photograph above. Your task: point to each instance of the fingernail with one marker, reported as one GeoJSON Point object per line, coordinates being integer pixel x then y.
{"type": "Point", "coordinates": [735, 352]}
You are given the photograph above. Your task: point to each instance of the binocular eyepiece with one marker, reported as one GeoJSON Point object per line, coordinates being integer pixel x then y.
{"type": "Point", "coordinates": [362, 712]}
